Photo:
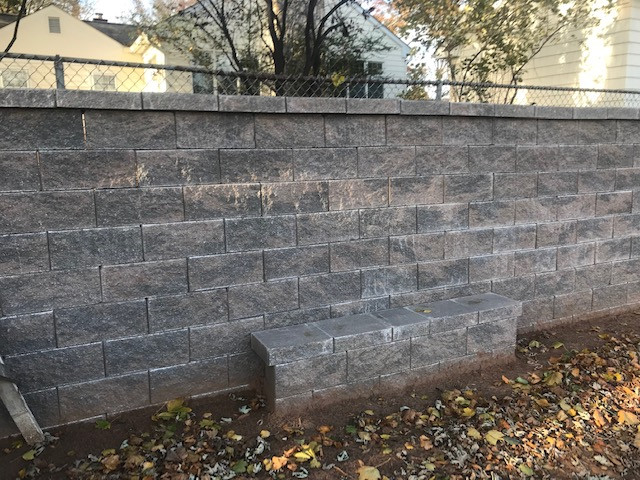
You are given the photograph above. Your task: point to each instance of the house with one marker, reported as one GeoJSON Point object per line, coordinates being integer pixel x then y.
{"type": "Point", "coordinates": [51, 31]}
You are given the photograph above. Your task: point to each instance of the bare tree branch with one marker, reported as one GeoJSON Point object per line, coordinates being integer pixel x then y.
{"type": "Point", "coordinates": [23, 10]}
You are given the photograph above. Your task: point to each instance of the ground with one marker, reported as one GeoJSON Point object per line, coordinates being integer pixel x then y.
{"type": "Point", "coordinates": [567, 407]}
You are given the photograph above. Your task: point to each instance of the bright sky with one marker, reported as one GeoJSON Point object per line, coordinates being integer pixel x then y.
{"type": "Point", "coordinates": [113, 10]}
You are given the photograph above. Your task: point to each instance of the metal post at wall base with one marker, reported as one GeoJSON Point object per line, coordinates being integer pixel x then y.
{"type": "Point", "coordinates": [58, 66]}
{"type": "Point", "coordinates": [19, 410]}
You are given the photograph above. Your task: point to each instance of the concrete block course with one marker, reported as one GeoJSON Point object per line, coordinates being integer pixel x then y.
{"type": "Point", "coordinates": [183, 223]}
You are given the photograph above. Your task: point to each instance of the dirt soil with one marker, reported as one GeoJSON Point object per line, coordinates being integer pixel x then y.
{"type": "Point", "coordinates": [568, 406]}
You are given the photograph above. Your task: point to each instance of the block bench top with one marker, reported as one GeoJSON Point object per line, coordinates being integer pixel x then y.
{"type": "Point", "coordinates": [288, 344]}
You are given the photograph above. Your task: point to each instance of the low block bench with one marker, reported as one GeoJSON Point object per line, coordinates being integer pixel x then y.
{"type": "Point", "coordinates": [324, 359]}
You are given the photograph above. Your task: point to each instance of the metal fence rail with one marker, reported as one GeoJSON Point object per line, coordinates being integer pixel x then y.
{"type": "Point", "coordinates": [48, 72]}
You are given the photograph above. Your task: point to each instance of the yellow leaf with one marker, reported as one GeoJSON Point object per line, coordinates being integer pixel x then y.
{"type": "Point", "coordinates": [627, 417]}
{"type": "Point", "coordinates": [468, 412]}
{"type": "Point", "coordinates": [265, 433]}
{"type": "Point", "coordinates": [526, 469]}
{"type": "Point", "coordinates": [324, 429]}
{"type": "Point", "coordinates": [599, 419]}
{"type": "Point", "coordinates": [408, 446]}
{"type": "Point", "coordinates": [493, 436]}
{"type": "Point", "coordinates": [111, 462]}
{"type": "Point", "coordinates": [30, 455]}
{"type": "Point", "coordinates": [302, 456]}
{"type": "Point", "coordinates": [147, 465]}
{"type": "Point", "coordinates": [425, 442]}
{"type": "Point", "coordinates": [368, 473]}
{"type": "Point", "coordinates": [506, 380]}
{"type": "Point", "coordinates": [369, 412]}
{"type": "Point", "coordinates": [174, 404]}
{"type": "Point", "coordinates": [278, 462]}
{"type": "Point", "coordinates": [555, 378]}
{"type": "Point", "coordinates": [542, 402]}
{"type": "Point", "coordinates": [473, 433]}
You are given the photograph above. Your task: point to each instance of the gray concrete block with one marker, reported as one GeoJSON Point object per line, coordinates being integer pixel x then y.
{"type": "Point", "coordinates": [358, 193]}
{"type": "Point", "coordinates": [301, 197]}
{"type": "Point", "coordinates": [539, 158]}
{"type": "Point", "coordinates": [594, 229]}
{"type": "Point", "coordinates": [627, 178]}
{"type": "Point", "coordinates": [614, 203]}
{"type": "Point", "coordinates": [492, 214]}
{"type": "Point", "coordinates": [378, 360]}
{"type": "Point", "coordinates": [27, 98]}
{"type": "Point", "coordinates": [327, 227]}
{"type": "Point", "coordinates": [414, 298]}
{"type": "Point", "coordinates": [432, 349]}
{"type": "Point", "coordinates": [535, 312]}
{"type": "Point", "coordinates": [515, 131]}
{"type": "Point", "coordinates": [609, 297]}
{"type": "Point", "coordinates": [626, 271]}
{"type": "Point", "coordinates": [146, 351]}
{"type": "Point", "coordinates": [186, 239]}
{"type": "Point", "coordinates": [473, 109]}
{"type": "Point", "coordinates": [95, 323]}
{"type": "Point", "coordinates": [468, 188]}
{"type": "Point", "coordinates": [572, 304]}
{"type": "Point", "coordinates": [535, 261]}
{"type": "Point", "coordinates": [612, 250]}
{"type": "Point", "coordinates": [378, 106]}
{"type": "Point", "coordinates": [253, 104]}
{"type": "Point", "coordinates": [316, 105]}
{"type": "Point", "coordinates": [289, 131]}
{"type": "Point", "coordinates": [444, 273]}
{"type": "Point", "coordinates": [442, 159]}
{"type": "Point", "coordinates": [555, 283]}
{"type": "Point", "coordinates": [140, 280]}
{"type": "Point", "coordinates": [576, 206]}
{"type": "Point", "coordinates": [125, 129]}
{"type": "Point", "coordinates": [37, 292]}
{"type": "Point", "coordinates": [624, 225]}
{"type": "Point", "coordinates": [384, 281]}
{"type": "Point", "coordinates": [139, 205]}
{"type": "Point", "coordinates": [416, 248]}
{"type": "Point", "coordinates": [517, 288]}
{"type": "Point", "coordinates": [33, 129]}
{"type": "Point", "coordinates": [296, 317]}
{"type": "Point", "coordinates": [593, 276]}
{"type": "Point", "coordinates": [596, 181]}
{"type": "Point", "coordinates": [325, 163]}
{"type": "Point", "coordinates": [108, 395]}
{"type": "Point", "coordinates": [466, 290]}
{"type": "Point", "coordinates": [622, 113]}
{"type": "Point", "coordinates": [492, 336]}
{"type": "Point", "coordinates": [355, 130]}
{"type": "Point", "coordinates": [617, 156]}
{"type": "Point", "coordinates": [589, 113]}
{"type": "Point", "coordinates": [292, 343]}
{"type": "Point", "coordinates": [518, 237]}
{"type": "Point", "coordinates": [379, 222]}
{"type": "Point", "coordinates": [443, 316]}
{"type": "Point", "coordinates": [356, 331]}
{"type": "Point", "coordinates": [557, 183]}
{"type": "Point", "coordinates": [633, 293]}
{"type": "Point", "coordinates": [177, 167]}
{"type": "Point", "coordinates": [217, 201]}
{"type": "Point", "coordinates": [422, 107]}
{"type": "Point", "coordinates": [417, 130]}
{"type": "Point", "coordinates": [50, 368]}
{"type": "Point", "coordinates": [260, 298]}
{"type": "Point", "coordinates": [245, 369]}
{"type": "Point", "coordinates": [23, 253]}
{"type": "Point", "coordinates": [562, 132]}
{"type": "Point", "coordinates": [329, 289]}
{"type": "Point", "coordinates": [214, 130]}
{"type": "Point", "coordinates": [38, 211]}
{"type": "Point", "coordinates": [368, 305]}
{"type": "Point", "coordinates": [515, 185]}
{"type": "Point", "coordinates": [257, 233]}
{"type": "Point", "coordinates": [224, 270]}
{"type": "Point", "coordinates": [406, 322]}
{"type": "Point", "coordinates": [265, 165]}
{"type": "Point", "coordinates": [490, 267]}
{"type": "Point", "coordinates": [467, 131]}
{"type": "Point", "coordinates": [576, 255]}
{"type": "Point", "coordinates": [556, 234]}
{"type": "Point", "coordinates": [90, 248]}
{"type": "Point", "coordinates": [386, 161]}
{"type": "Point", "coordinates": [26, 333]}
{"type": "Point", "coordinates": [297, 261]}
{"type": "Point", "coordinates": [20, 171]}
{"type": "Point", "coordinates": [434, 218]}
{"type": "Point", "coordinates": [98, 100]}
{"type": "Point", "coordinates": [180, 311]}
{"type": "Point", "coordinates": [416, 190]}
{"type": "Point", "coordinates": [490, 307]}
{"type": "Point", "coordinates": [179, 101]}
{"type": "Point", "coordinates": [468, 243]}
{"type": "Point", "coordinates": [577, 157]}
{"type": "Point", "coordinates": [323, 372]}
{"type": "Point", "coordinates": [358, 254]}
{"type": "Point", "coordinates": [195, 378]}
{"type": "Point", "coordinates": [40, 404]}
{"type": "Point", "coordinates": [494, 158]}
{"type": "Point", "coordinates": [223, 338]}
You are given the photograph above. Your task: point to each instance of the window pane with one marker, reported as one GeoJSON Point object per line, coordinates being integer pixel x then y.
{"type": "Point", "coordinates": [104, 83]}
{"type": "Point", "coordinates": [375, 68]}
{"type": "Point", "coordinates": [15, 79]}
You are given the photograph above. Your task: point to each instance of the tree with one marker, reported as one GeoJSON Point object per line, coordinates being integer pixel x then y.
{"type": "Point", "coordinates": [77, 8]}
{"type": "Point", "coordinates": [493, 40]}
{"type": "Point", "coordinates": [283, 37]}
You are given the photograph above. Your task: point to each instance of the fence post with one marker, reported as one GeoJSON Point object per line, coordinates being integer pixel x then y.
{"type": "Point", "coordinates": [439, 90]}
{"type": "Point", "coordinates": [59, 69]}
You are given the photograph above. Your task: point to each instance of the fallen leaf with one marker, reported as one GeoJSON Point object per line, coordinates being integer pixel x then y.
{"type": "Point", "coordinates": [493, 436]}
{"type": "Point", "coordinates": [29, 455]}
{"type": "Point", "coordinates": [627, 417]}
{"type": "Point", "coordinates": [526, 469]}
{"type": "Point", "coordinates": [368, 473]}
{"type": "Point", "coordinates": [599, 418]}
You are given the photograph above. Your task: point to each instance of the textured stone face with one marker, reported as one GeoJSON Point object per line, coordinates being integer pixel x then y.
{"type": "Point", "coordinates": [120, 129]}
{"type": "Point", "coordinates": [214, 130]}
{"type": "Point", "coordinates": [139, 280]}
{"type": "Point", "coordinates": [176, 167]}
{"type": "Point", "coordinates": [139, 205]}
{"type": "Point", "coordinates": [20, 171]}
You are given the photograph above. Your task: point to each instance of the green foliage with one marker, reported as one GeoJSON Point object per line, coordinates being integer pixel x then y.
{"type": "Point", "coordinates": [493, 40]}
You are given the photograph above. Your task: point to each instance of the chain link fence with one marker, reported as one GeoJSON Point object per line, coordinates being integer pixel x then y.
{"type": "Point", "coordinates": [49, 72]}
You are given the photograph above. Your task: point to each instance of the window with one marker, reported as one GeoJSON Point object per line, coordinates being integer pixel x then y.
{"type": "Point", "coordinates": [14, 79]}
{"type": "Point", "coordinates": [104, 82]}
{"type": "Point", "coordinates": [54, 24]}
{"type": "Point", "coordinates": [370, 89]}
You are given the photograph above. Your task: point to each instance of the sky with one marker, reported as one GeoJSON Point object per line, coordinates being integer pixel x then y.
{"type": "Point", "coordinates": [113, 10]}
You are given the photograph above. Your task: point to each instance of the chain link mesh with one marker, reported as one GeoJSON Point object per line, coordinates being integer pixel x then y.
{"type": "Point", "coordinates": [48, 72]}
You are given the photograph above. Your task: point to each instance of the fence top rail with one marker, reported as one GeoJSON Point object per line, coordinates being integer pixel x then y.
{"type": "Point", "coordinates": [301, 78]}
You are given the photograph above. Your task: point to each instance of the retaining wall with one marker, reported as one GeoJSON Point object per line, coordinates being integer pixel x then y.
{"type": "Point", "coordinates": [143, 237]}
